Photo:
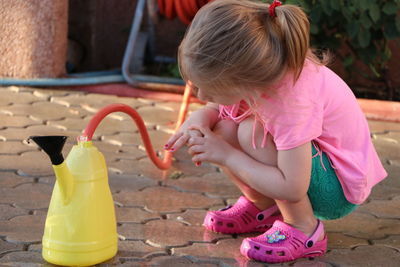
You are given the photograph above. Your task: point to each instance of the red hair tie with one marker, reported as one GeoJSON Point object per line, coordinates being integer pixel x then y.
{"type": "Point", "coordinates": [272, 7]}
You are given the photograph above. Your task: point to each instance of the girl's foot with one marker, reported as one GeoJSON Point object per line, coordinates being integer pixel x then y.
{"type": "Point", "coordinates": [242, 217]}
{"type": "Point", "coordinates": [283, 242]}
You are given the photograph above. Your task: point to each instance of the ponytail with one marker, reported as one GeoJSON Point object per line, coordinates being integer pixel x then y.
{"type": "Point", "coordinates": [295, 29]}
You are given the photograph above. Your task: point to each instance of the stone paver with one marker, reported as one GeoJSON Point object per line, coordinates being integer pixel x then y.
{"type": "Point", "coordinates": [134, 215]}
{"type": "Point", "coordinates": [392, 241]}
{"type": "Point", "coordinates": [158, 138]}
{"type": "Point", "coordinates": [42, 111]}
{"type": "Point", "coordinates": [138, 249]}
{"type": "Point", "coordinates": [96, 103]}
{"type": "Point", "coordinates": [164, 199]}
{"type": "Point", "coordinates": [15, 147]}
{"type": "Point", "coordinates": [362, 225]}
{"type": "Point", "coordinates": [10, 94]}
{"type": "Point", "coordinates": [146, 168]}
{"type": "Point", "coordinates": [189, 217]}
{"type": "Point", "coordinates": [214, 185]}
{"type": "Point", "coordinates": [23, 229]}
{"type": "Point", "coordinates": [39, 195]}
{"type": "Point", "coordinates": [223, 249]}
{"type": "Point", "coordinates": [7, 247]}
{"type": "Point", "coordinates": [170, 261]}
{"type": "Point", "coordinates": [20, 134]}
{"type": "Point", "coordinates": [158, 115]}
{"type": "Point", "coordinates": [388, 209]}
{"type": "Point", "coordinates": [339, 240]}
{"type": "Point", "coordinates": [8, 211]}
{"type": "Point", "coordinates": [11, 179]}
{"type": "Point", "coordinates": [119, 183]}
{"type": "Point", "coordinates": [383, 126]}
{"type": "Point", "coordinates": [160, 213]}
{"type": "Point", "coordinates": [364, 256]}
{"type": "Point", "coordinates": [166, 233]}
{"type": "Point", "coordinates": [22, 258]}
{"type": "Point", "coordinates": [8, 120]}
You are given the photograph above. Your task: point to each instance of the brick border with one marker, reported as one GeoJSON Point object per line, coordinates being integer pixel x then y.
{"type": "Point", "coordinates": [380, 110]}
{"type": "Point", "coordinates": [373, 109]}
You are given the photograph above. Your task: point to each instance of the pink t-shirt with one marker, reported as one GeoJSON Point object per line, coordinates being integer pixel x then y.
{"type": "Point", "coordinates": [320, 107]}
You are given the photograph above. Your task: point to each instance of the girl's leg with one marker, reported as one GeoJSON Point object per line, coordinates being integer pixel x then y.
{"type": "Point", "coordinates": [298, 214]}
{"type": "Point", "coordinates": [227, 129]}
{"type": "Point", "coordinates": [252, 213]}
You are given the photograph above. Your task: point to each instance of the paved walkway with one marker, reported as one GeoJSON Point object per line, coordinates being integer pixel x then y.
{"type": "Point", "coordinates": [159, 220]}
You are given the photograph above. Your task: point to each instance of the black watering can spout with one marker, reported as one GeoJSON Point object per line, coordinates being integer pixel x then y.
{"type": "Point", "coordinates": [52, 145]}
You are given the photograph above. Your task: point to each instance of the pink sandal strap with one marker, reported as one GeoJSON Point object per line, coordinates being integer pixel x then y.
{"type": "Point", "coordinates": [314, 237]}
{"type": "Point", "coordinates": [267, 213]}
{"type": "Point", "coordinates": [283, 242]}
{"type": "Point", "coordinates": [226, 208]}
{"type": "Point", "coordinates": [242, 217]}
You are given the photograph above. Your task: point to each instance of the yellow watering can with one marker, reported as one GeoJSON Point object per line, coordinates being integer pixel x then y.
{"type": "Point", "coordinates": [80, 228]}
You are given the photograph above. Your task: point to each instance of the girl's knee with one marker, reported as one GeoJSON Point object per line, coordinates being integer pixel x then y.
{"type": "Point", "coordinates": [227, 129]}
{"type": "Point", "coordinates": [250, 135]}
{"type": "Point", "coordinates": [245, 133]}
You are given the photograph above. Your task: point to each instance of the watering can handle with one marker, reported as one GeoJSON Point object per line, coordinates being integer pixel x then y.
{"type": "Point", "coordinates": [101, 114]}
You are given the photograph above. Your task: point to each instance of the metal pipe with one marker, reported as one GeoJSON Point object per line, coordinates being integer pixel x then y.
{"type": "Point", "coordinates": [133, 78]}
{"type": "Point", "coordinates": [47, 82]}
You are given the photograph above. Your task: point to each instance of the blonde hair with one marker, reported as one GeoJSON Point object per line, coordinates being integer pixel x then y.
{"type": "Point", "coordinates": [236, 44]}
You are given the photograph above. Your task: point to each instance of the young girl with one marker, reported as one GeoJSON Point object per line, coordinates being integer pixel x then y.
{"type": "Point", "coordinates": [285, 128]}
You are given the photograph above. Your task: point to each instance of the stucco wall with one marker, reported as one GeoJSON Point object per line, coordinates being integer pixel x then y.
{"type": "Point", "coordinates": [33, 39]}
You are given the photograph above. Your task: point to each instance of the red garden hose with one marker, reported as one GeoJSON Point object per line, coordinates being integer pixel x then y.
{"type": "Point", "coordinates": [101, 114]}
{"type": "Point", "coordinates": [184, 9]}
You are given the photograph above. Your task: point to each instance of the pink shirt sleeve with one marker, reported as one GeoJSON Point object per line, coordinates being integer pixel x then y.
{"type": "Point", "coordinates": [294, 115]}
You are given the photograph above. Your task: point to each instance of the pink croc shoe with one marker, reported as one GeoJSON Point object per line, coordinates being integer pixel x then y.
{"type": "Point", "coordinates": [242, 217]}
{"type": "Point", "coordinates": [283, 243]}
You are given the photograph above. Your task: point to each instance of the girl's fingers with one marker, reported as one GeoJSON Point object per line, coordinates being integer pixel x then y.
{"type": "Point", "coordinates": [179, 143]}
{"type": "Point", "coordinates": [199, 157]}
{"type": "Point", "coordinates": [196, 141]}
{"type": "Point", "coordinates": [195, 149]}
{"type": "Point", "coordinates": [195, 137]}
{"type": "Point", "coordinates": [194, 133]}
{"type": "Point", "coordinates": [171, 141]}
{"type": "Point", "coordinates": [202, 130]}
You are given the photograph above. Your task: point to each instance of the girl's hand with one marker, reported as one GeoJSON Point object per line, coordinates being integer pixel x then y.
{"type": "Point", "coordinates": [180, 139]}
{"type": "Point", "coordinates": [206, 117]}
{"type": "Point", "coordinates": [209, 147]}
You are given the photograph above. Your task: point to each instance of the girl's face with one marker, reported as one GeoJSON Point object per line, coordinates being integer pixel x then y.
{"type": "Point", "coordinates": [223, 99]}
